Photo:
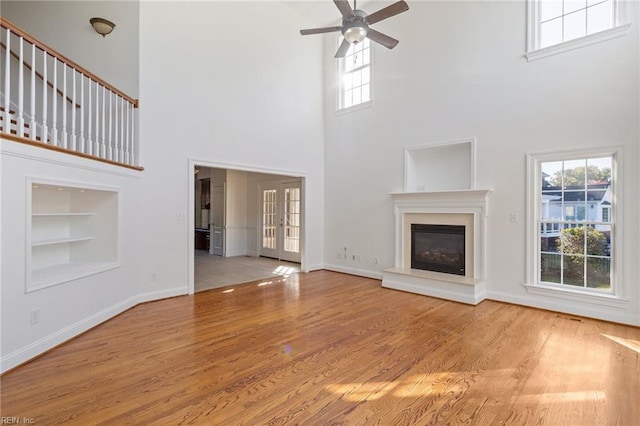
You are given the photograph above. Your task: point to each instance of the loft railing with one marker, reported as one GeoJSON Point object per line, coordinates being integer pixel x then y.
{"type": "Point", "coordinates": [50, 101]}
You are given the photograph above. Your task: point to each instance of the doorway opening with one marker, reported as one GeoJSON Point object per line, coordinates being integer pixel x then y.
{"type": "Point", "coordinates": [245, 225]}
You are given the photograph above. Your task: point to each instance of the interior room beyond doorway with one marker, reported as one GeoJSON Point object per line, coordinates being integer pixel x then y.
{"type": "Point", "coordinates": [247, 226]}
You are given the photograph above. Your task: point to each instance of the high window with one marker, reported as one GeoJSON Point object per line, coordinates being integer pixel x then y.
{"type": "Point", "coordinates": [575, 226]}
{"type": "Point", "coordinates": [581, 22]}
{"type": "Point", "coordinates": [355, 76]}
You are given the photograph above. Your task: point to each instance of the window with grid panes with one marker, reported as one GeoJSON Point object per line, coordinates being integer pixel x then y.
{"type": "Point", "coordinates": [575, 236]}
{"type": "Point", "coordinates": [355, 75]}
{"type": "Point", "coordinates": [555, 22]}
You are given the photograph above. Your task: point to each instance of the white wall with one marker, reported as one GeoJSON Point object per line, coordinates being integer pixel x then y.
{"type": "Point", "coordinates": [459, 72]}
{"type": "Point", "coordinates": [69, 308]}
{"type": "Point", "coordinates": [64, 26]}
{"type": "Point", "coordinates": [248, 99]}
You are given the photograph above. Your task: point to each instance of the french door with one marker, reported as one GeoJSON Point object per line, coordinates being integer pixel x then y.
{"type": "Point", "coordinates": [281, 221]}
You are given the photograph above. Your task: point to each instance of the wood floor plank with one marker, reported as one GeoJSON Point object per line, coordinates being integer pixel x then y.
{"type": "Point", "coordinates": [328, 348]}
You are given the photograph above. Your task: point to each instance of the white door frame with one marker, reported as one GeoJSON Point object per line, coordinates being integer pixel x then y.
{"type": "Point", "coordinates": [192, 162]}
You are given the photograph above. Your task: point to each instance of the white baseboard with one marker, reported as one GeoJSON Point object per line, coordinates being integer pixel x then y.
{"type": "Point", "coordinates": [40, 346]}
{"type": "Point", "coordinates": [593, 311]}
{"type": "Point", "coordinates": [311, 268]}
{"type": "Point", "coordinates": [162, 294]}
{"type": "Point", "coordinates": [354, 271]}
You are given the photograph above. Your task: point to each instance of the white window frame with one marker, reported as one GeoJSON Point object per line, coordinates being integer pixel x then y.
{"type": "Point", "coordinates": [617, 297]}
{"type": "Point", "coordinates": [620, 28]}
{"type": "Point", "coordinates": [340, 109]}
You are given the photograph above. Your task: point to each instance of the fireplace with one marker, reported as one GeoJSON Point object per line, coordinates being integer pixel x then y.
{"type": "Point", "coordinates": [438, 248]}
{"type": "Point", "coordinates": [461, 215]}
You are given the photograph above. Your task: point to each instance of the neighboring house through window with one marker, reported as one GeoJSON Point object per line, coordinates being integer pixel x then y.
{"type": "Point", "coordinates": [355, 76]}
{"type": "Point", "coordinates": [568, 24]}
{"type": "Point", "coordinates": [575, 226]}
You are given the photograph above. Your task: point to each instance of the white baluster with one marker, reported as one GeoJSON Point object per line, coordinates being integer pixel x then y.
{"type": "Point", "coordinates": [127, 135]}
{"type": "Point", "coordinates": [54, 104]}
{"type": "Point", "coordinates": [132, 148]}
{"type": "Point", "coordinates": [110, 125]}
{"type": "Point", "coordinates": [45, 130]}
{"type": "Point", "coordinates": [73, 109]}
{"type": "Point", "coordinates": [20, 120]}
{"type": "Point", "coordinates": [81, 112]}
{"type": "Point", "coordinates": [64, 105]}
{"type": "Point", "coordinates": [103, 151]}
{"type": "Point", "coordinates": [32, 122]}
{"type": "Point", "coordinates": [89, 140]}
{"type": "Point", "coordinates": [115, 131]}
{"type": "Point", "coordinates": [7, 85]}
{"type": "Point", "coordinates": [96, 151]}
{"type": "Point", "coordinates": [121, 109]}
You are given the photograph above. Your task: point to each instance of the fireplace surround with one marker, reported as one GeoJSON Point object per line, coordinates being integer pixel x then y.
{"type": "Point", "coordinates": [458, 208]}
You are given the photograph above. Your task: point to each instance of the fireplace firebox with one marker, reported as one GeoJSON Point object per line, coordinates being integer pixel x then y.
{"type": "Point", "coordinates": [438, 248]}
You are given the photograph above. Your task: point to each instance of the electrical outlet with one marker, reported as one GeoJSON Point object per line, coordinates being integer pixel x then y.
{"type": "Point", "coordinates": [182, 215]}
{"type": "Point", "coordinates": [375, 260]}
{"type": "Point", "coordinates": [353, 257]}
{"type": "Point", "coordinates": [35, 316]}
{"type": "Point", "coordinates": [358, 258]}
{"type": "Point", "coordinates": [153, 276]}
{"type": "Point", "coordinates": [513, 217]}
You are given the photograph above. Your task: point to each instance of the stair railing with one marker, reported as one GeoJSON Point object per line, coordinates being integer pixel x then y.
{"type": "Point", "coordinates": [68, 108]}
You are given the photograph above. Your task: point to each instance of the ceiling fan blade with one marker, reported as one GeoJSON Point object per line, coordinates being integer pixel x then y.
{"type": "Point", "coordinates": [387, 12]}
{"type": "Point", "coordinates": [383, 39]}
{"type": "Point", "coordinates": [342, 50]}
{"type": "Point", "coordinates": [320, 30]}
{"type": "Point", "coordinates": [345, 9]}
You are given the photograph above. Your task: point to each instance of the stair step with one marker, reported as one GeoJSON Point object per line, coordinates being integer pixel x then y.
{"type": "Point", "coordinates": [26, 135]}
{"type": "Point", "coordinates": [10, 111]}
{"type": "Point", "coordinates": [15, 122]}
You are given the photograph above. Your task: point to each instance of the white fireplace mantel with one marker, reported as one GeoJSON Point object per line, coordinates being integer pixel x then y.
{"type": "Point", "coordinates": [471, 202]}
{"type": "Point", "coordinates": [465, 198]}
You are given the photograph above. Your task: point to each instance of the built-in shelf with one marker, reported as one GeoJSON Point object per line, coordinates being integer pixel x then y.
{"type": "Point", "coordinates": [61, 214]}
{"type": "Point", "coordinates": [60, 241]}
{"type": "Point", "coordinates": [73, 229]}
{"type": "Point", "coordinates": [52, 275]}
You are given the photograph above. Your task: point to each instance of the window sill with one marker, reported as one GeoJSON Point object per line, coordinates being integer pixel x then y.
{"type": "Point", "coordinates": [577, 295]}
{"type": "Point", "coordinates": [358, 107]}
{"type": "Point", "coordinates": [578, 43]}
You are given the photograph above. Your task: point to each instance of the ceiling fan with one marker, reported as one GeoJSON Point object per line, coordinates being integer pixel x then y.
{"type": "Point", "coordinates": [355, 25]}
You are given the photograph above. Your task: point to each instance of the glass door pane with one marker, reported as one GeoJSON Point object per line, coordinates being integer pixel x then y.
{"type": "Point", "coordinates": [292, 220]}
{"type": "Point", "coordinates": [269, 219]}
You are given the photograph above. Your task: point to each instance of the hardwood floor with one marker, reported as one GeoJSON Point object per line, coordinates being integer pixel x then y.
{"type": "Point", "coordinates": [324, 349]}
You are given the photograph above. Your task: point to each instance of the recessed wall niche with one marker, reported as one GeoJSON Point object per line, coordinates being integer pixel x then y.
{"type": "Point", "coordinates": [72, 232]}
{"type": "Point", "coordinates": [440, 167]}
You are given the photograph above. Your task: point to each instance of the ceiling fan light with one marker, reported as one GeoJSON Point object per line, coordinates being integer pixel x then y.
{"type": "Point", "coordinates": [355, 34]}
